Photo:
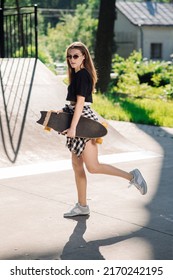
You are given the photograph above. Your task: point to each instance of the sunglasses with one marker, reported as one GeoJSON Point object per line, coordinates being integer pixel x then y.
{"type": "Point", "coordinates": [75, 56]}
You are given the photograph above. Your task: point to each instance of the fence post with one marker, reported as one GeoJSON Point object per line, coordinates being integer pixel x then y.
{"type": "Point", "coordinates": [36, 31]}
{"type": "Point", "coordinates": [2, 50]}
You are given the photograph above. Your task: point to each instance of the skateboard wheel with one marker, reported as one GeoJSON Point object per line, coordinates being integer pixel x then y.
{"type": "Point", "coordinates": [99, 140]}
{"type": "Point", "coordinates": [105, 124]}
{"type": "Point", "coordinates": [47, 128]}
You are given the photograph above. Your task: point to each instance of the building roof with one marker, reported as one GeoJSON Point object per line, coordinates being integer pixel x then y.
{"type": "Point", "coordinates": [147, 13]}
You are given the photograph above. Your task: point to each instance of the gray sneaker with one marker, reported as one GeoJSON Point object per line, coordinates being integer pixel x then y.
{"type": "Point", "coordinates": [138, 181]}
{"type": "Point", "coordinates": [78, 210]}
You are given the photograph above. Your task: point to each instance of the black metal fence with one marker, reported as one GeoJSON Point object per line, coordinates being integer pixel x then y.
{"type": "Point", "coordinates": [18, 32]}
{"type": "Point", "coordinates": [18, 59]}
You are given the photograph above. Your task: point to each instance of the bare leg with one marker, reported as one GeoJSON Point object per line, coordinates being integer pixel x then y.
{"type": "Point", "coordinates": [80, 178]}
{"type": "Point", "coordinates": [90, 158]}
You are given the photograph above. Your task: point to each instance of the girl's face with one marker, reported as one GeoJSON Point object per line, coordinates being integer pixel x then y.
{"type": "Point", "coordinates": [75, 58]}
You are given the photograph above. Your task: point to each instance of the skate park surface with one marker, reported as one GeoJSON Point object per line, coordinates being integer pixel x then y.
{"type": "Point", "coordinates": [40, 187]}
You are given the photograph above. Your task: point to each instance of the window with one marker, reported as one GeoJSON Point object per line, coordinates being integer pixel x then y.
{"type": "Point", "coordinates": [156, 51]}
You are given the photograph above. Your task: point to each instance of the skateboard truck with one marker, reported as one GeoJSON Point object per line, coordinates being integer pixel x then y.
{"type": "Point", "coordinates": [48, 115]}
{"type": "Point", "coordinates": [46, 128]}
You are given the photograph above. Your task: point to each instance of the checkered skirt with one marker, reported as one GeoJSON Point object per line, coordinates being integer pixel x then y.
{"type": "Point", "coordinates": [77, 144]}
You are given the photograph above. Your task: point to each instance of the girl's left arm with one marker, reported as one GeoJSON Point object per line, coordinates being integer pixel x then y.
{"type": "Point", "coordinates": [71, 132]}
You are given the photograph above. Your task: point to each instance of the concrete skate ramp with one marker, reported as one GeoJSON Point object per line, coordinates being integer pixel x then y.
{"type": "Point", "coordinates": [49, 93]}
{"type": "Point", "coordinates": [115, 142]}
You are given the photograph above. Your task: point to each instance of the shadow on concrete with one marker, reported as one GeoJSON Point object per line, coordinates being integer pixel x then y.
{"type": "Point", "coordinates": [14, 108]}
{"type": "Point", "coordinates": [157, 232]}
{"type": "Point", "coordinates": [77, 248]}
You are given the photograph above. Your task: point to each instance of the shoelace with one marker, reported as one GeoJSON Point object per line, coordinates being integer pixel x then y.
{"type": "Point", "coordinates": [132, 183]}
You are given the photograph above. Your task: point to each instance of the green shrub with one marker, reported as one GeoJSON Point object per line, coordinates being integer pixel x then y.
{"type": "Point", "coordinates": [160, 79]}
{"type": "Point", "coordinates": [154, 73]}
{"type": "Point", "coordinates": [168, 92]}
{"type": "Point", "coordinates": [140, 92]}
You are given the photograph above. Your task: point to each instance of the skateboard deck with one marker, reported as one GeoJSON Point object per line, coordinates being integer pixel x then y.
{"type": "Point", "coordinates": [86, 128]}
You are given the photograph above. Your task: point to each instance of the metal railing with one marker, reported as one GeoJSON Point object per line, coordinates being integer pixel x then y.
{"type": "Point", "coordinates": [18, 58]}
{"type": "Point", "coordinates": [18, 32]}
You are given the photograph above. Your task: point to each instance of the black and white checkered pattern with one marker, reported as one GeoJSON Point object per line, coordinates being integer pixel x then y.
{"type": "Point", "coordinates": [77, 144]}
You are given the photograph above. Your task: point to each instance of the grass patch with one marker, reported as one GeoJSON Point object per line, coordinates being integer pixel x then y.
{"type": "Point", "coordinates": [144, 111]}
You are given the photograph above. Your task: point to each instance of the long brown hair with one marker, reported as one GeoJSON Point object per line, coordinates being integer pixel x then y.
{"type": "Point", "coordinates": [88, 62]}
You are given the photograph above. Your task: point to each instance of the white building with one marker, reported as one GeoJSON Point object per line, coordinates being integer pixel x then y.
{"type": "Point", "coordinates": [144, 25]}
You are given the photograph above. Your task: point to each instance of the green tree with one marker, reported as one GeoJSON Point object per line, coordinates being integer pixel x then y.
{"type": "Point", "coordinates": [80, 27]}
{"type": "Point", "coordinates": [12, 3]}
{"type": "Point", "coordinates": [58, 4]}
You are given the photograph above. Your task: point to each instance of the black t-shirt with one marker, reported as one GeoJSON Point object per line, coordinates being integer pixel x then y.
{"type": "Point", "coordinates": [81, 85]}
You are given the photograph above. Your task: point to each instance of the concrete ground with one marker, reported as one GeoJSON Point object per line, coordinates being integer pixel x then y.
{"type": "Point", "coordinates": [39, 188]}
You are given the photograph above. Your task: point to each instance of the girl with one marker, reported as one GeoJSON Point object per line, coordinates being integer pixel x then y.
{"type": "Point", "coordinates": [82, 79]}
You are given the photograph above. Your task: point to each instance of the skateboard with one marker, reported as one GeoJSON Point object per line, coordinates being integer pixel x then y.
{"type": "Point", "coordinates": [86, 128]}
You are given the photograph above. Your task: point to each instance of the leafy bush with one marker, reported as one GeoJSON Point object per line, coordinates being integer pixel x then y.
{"type": "Point", "coordinates": [141, 79]}
{"type": "Point", "coordinates": [155, 74]}
{"type": "Point", "coordinates": [129, 99]}
{"type": "Point", "coordinates": [168, 91]}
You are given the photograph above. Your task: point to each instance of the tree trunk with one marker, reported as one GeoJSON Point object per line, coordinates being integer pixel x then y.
{"type": "Point", "coordinates": [104, 43]}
